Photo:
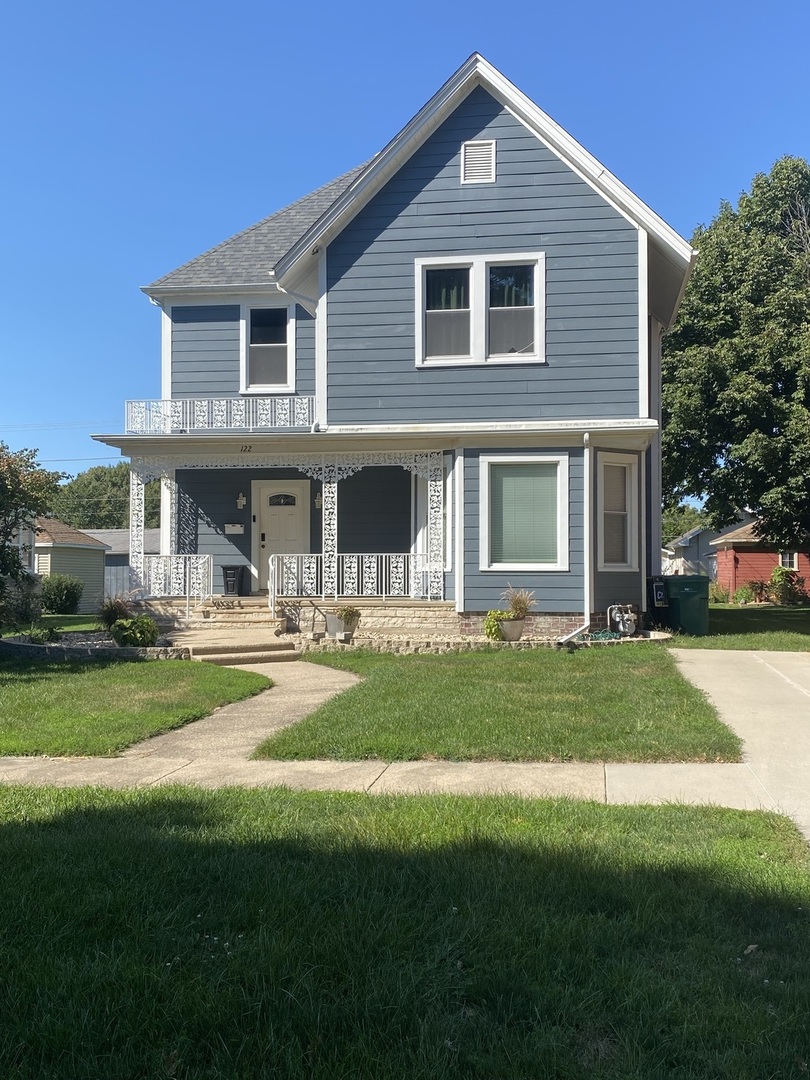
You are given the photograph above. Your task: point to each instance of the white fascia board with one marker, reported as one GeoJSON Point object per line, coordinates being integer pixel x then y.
{"type": "Point", "coordinates": [203, 294]}
{"type": "Point", "coordinates": [474, 72]}
{"type": "Point", "coordinates": [67, 544]}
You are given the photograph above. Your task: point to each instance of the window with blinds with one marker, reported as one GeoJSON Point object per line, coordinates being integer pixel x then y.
{"type": "Point", "coordinates": [524, 512]}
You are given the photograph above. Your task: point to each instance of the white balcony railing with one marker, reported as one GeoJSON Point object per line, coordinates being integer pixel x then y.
{"type": "Point", "coordinates": [381, 576]}
{"type": "Point", "coordinates": [179, 415]}
{"type": "Point", "coordinates": [189, 576]}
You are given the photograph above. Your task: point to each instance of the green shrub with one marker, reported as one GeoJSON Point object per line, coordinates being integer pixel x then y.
{"type": "Point", "coordinates": [42, 635]}
{"type": "Point", "coordinates": [113, 610]}
{"type": "Point", "coordinates": [744, 595]}
{"type": "Point", "coordinates": [20, 602]}
{"type": "Point", "coordinates": [492, 625]}
{"type": "Point", "coordinates": [141, 632]}
{"type": "Point", "coordinates": [717, 594]}
{"type": "Point", "coordinates": [761, 591]}
{"type": "Point", "coordinates": [786, 586]}
{"type": "Point", "coordinates": [61, 594]}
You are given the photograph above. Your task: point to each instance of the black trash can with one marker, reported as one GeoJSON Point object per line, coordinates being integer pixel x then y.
{"type": "Point", "coordinates": [233, 580]}
{"type": "Point", "coordinates": [688, 597]}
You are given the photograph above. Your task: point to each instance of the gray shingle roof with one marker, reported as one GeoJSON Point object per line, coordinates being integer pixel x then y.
{"type": "Point", "coordinates": [246, 258]}
{"type": "Point", "coordinates": [117, 540]}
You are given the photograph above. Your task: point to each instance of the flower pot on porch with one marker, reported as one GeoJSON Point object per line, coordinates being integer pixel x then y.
{"type": "Point", "coordinates": [342, 623]}
{"type": "Point", "coordinates": [512, 629]}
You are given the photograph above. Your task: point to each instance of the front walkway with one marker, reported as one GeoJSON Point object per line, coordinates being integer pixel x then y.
{"type": "Point", "coordinates": [764, 697]}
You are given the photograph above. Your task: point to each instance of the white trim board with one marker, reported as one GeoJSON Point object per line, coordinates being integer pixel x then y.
{"type": "Point", "coordinates": [485, 563]}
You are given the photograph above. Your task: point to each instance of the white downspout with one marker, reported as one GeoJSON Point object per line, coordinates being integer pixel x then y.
{"type": "Point", "coordinates": [587, 542]}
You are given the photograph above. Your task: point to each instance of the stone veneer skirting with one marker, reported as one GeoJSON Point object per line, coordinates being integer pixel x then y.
{"type": "Point", "coordinates": [63, 653]}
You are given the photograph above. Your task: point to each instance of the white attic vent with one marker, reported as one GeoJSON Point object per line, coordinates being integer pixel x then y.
{"type": "Point", "coordinates": [478, 162]}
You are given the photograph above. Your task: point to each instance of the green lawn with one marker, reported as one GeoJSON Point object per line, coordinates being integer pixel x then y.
{"type": "Point", "coordinates": [264, 934]}
{"type": "Point", "coordinates": [755, 626]}
{"type": "Point", "coordinates": [621, 703]}
{"type": "Point", "coordinates": [58, 622]}
{"type": "Point", "coordinates": [101, 707]}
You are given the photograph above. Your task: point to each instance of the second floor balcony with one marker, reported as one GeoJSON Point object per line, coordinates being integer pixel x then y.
{"type": "Point", "coordinates": [185, 415]}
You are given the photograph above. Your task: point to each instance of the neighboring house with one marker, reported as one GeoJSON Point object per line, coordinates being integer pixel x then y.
{"type": "Point", "coordinates": [435, 375]}
{"type": "Point", "coordinates": [742, 557]}
{"type": "Point", "coordinates": [61, 549]}
{"type": "Point", "coordinates": [693, 552]}
{"type": "Point", "coordinates": [117, 581]}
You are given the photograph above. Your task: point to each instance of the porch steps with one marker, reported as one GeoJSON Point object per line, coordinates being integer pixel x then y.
{"type": "Point", "coordinates": [232, 648]}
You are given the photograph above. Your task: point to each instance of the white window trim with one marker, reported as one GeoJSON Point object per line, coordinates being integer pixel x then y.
{"type": "Point", "coordinates": [485, 561]}
{"type": "Point", "coordinates": [630, 463]}
{"type": "Point", "coordinates": [479, 307]}
{"type": "Point", "coordinates": [491, 145]}
{"type": "Point", "coordinates": [244, 339]}
{"type": "Point", "coordinates": [794, 560]}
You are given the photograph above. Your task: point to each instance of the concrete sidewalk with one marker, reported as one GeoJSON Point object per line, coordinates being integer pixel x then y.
{"type": "Point", "coordinates": [764, 697]}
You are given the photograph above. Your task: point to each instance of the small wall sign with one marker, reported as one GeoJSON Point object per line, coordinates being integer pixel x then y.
{"type": "Point", "coordinates": [234, 529]}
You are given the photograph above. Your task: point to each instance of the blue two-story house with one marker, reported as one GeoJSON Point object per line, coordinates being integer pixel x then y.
{"type": "Point", "coordinates": [436, 375]}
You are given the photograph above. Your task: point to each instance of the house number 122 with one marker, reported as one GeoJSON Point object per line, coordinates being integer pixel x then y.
{"type": "Point", "coordinates": [245, 448]}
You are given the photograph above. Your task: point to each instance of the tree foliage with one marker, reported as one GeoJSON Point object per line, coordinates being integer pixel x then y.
{"type": "Point", "coordinates": [677, 520]}
{"type": "Point", "coordinates": [736, 366]}
{"type": "Point", "coordinates": [99, 499]}
{"type": "Point", "coordinates": [26, 490]}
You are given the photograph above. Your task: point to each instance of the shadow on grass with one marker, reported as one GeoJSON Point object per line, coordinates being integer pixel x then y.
{"type": "Point", "coordinates": [756, 619]}
{"type": "Point", "coordinates": [23, 670]}
{"type": "Point", "coordinates": [276, 935]}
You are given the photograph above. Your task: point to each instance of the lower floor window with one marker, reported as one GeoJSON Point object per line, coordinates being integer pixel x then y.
{"type": "Point", "coordinates": [618, 498]}
{"type": "Point", "coordinates": [524, 513]}
{"type": "Point", "coordinates": [789, 559]}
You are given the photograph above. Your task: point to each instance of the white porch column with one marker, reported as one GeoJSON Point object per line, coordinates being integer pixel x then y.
{"type": "Point", "coordinates": [435, 530]}
{"type": "Point", "coordinates": [136, 522]}
{"type": "Point", "coordinates": [329, 474]}
{"type": "Point", "coordinates": [168, 514]}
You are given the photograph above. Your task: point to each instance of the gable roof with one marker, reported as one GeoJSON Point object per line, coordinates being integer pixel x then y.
{"type": "Point", "coordinates": [743, 535]}
{"type": "Point", "coordinates": [53, 531]}
{"type": "Point", "coordinates": [283, 247]}
{"type": "Point", "coordinates": [248, 257]}
{"type": "Point", "coordinates": [117, 540]}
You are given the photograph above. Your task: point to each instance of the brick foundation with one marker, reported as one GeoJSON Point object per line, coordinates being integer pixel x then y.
{"type": "Point", "coordinates": [538, 625]}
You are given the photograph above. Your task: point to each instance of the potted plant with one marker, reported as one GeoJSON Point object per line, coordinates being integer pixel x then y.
{"type": "Point", "coordinates": [508, 625]}
{"type": "Point", "coordinates": [342, 622]}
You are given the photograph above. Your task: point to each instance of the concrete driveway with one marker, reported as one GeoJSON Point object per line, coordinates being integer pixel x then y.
{"type": "Point", "coordinates": [765, 698]}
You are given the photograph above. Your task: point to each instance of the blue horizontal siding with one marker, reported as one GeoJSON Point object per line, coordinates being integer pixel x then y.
{"type": "Point", "coordinates": [205, 351]}
{"type": "Point", "coordinates": [554, 590]}
{"type": "Point", "coordinates": [537, 204]}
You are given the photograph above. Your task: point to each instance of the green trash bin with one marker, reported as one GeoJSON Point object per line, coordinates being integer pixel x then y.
{"type": "Point", "coordinates": [688, 610]}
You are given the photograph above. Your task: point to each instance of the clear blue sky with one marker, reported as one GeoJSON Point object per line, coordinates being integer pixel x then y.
{"type": "Point", "coordinates": [137, 135]}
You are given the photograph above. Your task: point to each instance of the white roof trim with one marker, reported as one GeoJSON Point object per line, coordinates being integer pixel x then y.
{"type": "Point", "coordinates": [477, 71]}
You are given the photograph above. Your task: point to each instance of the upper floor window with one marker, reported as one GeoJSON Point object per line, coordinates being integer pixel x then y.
{"type": "Point", "coordinates": [480, 309]}
{"type": "Point", "coordinates": [268, 349]}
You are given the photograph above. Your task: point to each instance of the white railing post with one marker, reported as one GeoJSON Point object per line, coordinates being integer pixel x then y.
{"type": "Point", "coordinates": [271, 583]}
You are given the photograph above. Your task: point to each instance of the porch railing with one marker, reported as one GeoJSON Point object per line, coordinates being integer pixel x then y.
{"type": "Point", "coordinates": [179, 415]}
{"type": "Point", "coordinates": [333, 577]}
{"type": "Point", "coordinates": [190, 576]}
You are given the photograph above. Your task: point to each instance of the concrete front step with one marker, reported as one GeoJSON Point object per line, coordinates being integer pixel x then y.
{"type": "Point", "coordinates": [232, 659]}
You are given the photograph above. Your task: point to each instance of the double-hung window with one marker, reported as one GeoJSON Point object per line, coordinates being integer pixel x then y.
{"type": "Point", "coordinates": [617, 502]}
{"type": "Point", "coordinates": [480, 309]}
{"type": "Point", "coordinates": [523, 520]}
{"type": "Point", "coordinates": [268, 349]}
{"type": "Point", "coordinates": [789, 559]}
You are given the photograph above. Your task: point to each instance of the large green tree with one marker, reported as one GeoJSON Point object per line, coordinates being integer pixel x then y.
{"type": "Point", "coordinates": [736, 366]}
{"type": "Point", "coordinates": [677, 520]}
{"type": "Point", "coordinates": [26, 490]}
{"type": "Point", "coordinates": [99, 499]}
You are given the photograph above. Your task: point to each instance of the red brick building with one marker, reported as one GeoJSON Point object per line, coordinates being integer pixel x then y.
{"type": "Point", "coordinates": [742, 558]}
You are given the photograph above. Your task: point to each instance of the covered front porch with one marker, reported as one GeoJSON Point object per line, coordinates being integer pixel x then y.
{"type": "Point", "coordinates": [320, 527]}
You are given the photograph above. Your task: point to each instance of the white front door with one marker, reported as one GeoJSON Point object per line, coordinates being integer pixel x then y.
{"type": "Point", "coordinates": [281, 521]}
